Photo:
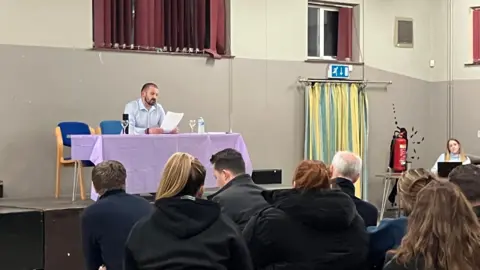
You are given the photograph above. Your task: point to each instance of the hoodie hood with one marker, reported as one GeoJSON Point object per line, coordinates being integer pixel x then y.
{"type": "Point", "coordinates": [185, 216]}
{"type": "Point", "coordinates": [319, 209]}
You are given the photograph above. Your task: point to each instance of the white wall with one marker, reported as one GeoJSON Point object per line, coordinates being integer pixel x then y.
{"type": "Point", "coordinates": [51, 23]}
{"type": "Point", "coordinates": [380, 51]}
{"type": "Point", "coordinates": [462, 36]}
{"type": "Point", "coordinates": [261, 29]}
{"type": "Point", "coordinates": [439, 40]}
{"type": "Point", "coordinates": [277, 29]}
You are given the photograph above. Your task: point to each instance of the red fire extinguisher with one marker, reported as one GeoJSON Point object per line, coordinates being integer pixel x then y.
{"type": "Point", "coordinates": [398, 151]}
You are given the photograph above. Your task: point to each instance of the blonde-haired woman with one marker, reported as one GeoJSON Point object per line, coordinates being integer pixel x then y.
{"type": "Point", "coordinates": [454, 153]}
{"type": "Point", "coordinates": [443, 233]}
{"type": "Point", "coordinates": [185, 231]}
{"type": "Point", "coordinates": [389, 233]}
{"type": "Point", "coordinates": [308, 227]}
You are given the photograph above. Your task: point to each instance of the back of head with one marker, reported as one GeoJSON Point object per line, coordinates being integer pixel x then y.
{"type": "Point", "coordinates": [108, 175]}
{"type": "Point", "coordinates": [467, 178]}
{"type": "Point", "coordinates": [228, 159]}
{"type": "Point", "coordinates": [346, 164]}
{"type": "Point", "coordinates": [409, 184]}
{"type": "Point", "coordinates": [442, 229]}
{"type": "Point", "coordinates": [311, 174]}
{"type": "Point", "coordinates": [183, 175]}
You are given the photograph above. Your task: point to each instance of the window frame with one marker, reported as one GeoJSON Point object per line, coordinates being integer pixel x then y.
{"type": "Point", "coordinates": [321, 39]}
{"type": "Point", "coordinates": [475, 52]}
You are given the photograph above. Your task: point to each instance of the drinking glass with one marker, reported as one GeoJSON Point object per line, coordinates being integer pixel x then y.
{"type": "Point", "coordinates": [192, 124]}
{"type": "Point", "coordinates": [124, 126]}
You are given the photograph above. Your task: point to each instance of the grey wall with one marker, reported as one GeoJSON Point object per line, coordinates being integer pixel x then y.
{"type": "Point", "coordinates": [49, 76]}
{"type": "Point", "coordinates": [42, 86]}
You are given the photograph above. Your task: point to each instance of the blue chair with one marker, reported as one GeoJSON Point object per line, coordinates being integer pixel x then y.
{"type": "Point", "coordinates": [112, 127]}
{"type": "Point", "coordinates": [62, 134]}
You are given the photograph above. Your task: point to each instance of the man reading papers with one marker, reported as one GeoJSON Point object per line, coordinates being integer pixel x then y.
{"type": "Point", "coordinates": [145, 114]}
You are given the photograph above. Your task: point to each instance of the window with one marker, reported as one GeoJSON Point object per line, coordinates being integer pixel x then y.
{"type": "Point", "coordinates": [404, 32]}
{"type": "Point", "coordinates": [188, 27]}
{"type": "Point", "coordinates": [329, 32]}
{"type": "Point", "coordinates": [476, 35]}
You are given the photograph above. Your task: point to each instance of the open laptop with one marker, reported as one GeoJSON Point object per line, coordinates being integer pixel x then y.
{"type": "Point", "coordinates": [444, 168]}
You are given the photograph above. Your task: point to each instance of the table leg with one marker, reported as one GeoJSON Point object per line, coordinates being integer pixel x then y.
{"type": "Point", "coordinates": [75, 177]}
{"type": "Point", "coordinates": [384, 197]}
{"type": "Point", "coordinates": [388, 184]}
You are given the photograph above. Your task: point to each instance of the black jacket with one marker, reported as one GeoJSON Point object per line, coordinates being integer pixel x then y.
{"type": "Point", "coordinates": [367, 211]}
{"type": "Point", "coordinates": [186, 233]}
{"type": "Point", "coordinates": [307, 230]}
{"type": "Point", "coordinates": [106, 225]}
{"type": "Point", "coordinates": [240, 199]}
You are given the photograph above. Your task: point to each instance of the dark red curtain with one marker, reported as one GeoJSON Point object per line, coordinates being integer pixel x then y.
{"type": "Point", "coordinates": [199, 29]}
{"type": "Point", "coordinates": [143, 21]}
{"type": "Point", "coordinates": [345, 34]}
{"type": "Point", "coordinates": [159, 30]}
{"type": "Point", "coordinates": [188, 26]}
{"type": "Point", "coordinates": [216, 42]}
{"type": "Point", "coordinates": [476, 35]}
{"type": "Point", "coordinates": [98, 29]}
{"type": "Point", "coordinates": [112, 23]}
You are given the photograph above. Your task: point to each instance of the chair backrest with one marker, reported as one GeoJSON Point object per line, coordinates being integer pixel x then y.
{"type": "Point", "coordinates": [72, 128]}
{"type": "Point", "coordinates": [111, 127]}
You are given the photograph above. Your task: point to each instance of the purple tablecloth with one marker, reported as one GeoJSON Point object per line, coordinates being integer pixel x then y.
{"type": "Point", "coordinates": [144, 156]}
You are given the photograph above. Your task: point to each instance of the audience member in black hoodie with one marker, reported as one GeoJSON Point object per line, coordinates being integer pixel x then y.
{"type": "Point", "coordinates": [346, 168]}
{"type": "Point", "coordinates": [239, 197]}
{"type": "Point", "coordinates": [107, 223]}
{"type": "Point", "coordinates": [443, 232]}
{"type": "Point", "coordinates": [185, 231]}
{"type": "Point", "coordinates": [308, 227]}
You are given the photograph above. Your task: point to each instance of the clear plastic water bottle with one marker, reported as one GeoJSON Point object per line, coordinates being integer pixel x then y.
{"type": "Point", "coordinates": [201, 125]}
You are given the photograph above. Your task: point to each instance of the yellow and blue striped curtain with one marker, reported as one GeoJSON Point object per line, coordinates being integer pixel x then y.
{"type": "Point", "coordinates": [336, 119]}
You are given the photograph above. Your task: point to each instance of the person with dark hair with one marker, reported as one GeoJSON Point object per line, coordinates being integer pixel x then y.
{"type": "Point", "coordinates": [185, 231]}
{"type": "Point", "coordinates": [238, 196]}
{"type": "Point", "coordinates": [467, 178]}
{"type": "Point", "coordinates": [308, 227]}
{"type": "Point", "coordinates": [107, 223]}
{"type": "Point", "coordinates": [145, 114]}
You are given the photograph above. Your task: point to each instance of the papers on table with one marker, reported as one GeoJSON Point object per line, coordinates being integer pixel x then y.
{"type": "Point", "coordinates": [171, 121]}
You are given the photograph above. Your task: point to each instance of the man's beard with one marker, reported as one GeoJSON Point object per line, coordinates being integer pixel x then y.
{"type": "Point", "coordinates": [151, 102]}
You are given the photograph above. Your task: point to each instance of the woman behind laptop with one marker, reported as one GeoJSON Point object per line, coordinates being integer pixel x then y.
{"type": "Point", "coordinates": [454, 153]}
{"type": "Point", "coordinates": [185, 231]}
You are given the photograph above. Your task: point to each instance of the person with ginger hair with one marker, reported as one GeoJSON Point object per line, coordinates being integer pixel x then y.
{"type": "Point", "coordinates": [310, 226]}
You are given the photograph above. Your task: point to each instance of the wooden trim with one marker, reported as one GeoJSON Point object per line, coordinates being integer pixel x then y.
{"type": "Point", "coordinates": [331, 4]}
{"type": "Point", "coordinates": [113, 50]}
{"type": "Point", "coordinates": [327, 61]}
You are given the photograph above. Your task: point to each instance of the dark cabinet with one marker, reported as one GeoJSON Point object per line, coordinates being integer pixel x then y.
{"type": "Point", "coordinates": [63, 246]}
{"type": "Point", "coordinates": [21, 239]}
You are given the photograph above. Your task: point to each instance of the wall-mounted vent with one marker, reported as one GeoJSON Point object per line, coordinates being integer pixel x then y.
{"type": "Point", "coordinates": [404, 32]}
